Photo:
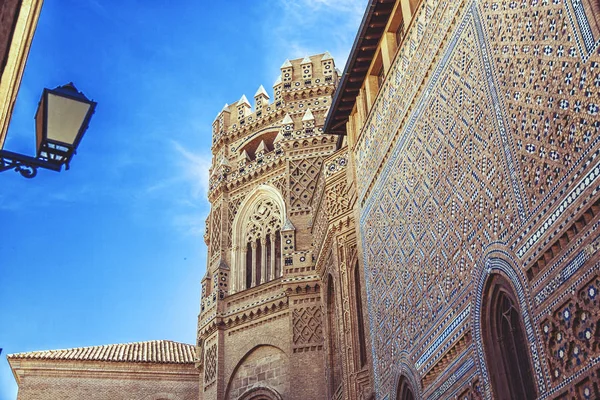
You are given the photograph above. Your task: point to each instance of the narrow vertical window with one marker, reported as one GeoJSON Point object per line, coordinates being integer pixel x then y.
{"type": "Point", "coordinates": [399, 33]}
{"type": "Point", "coordinates": [258, 264]}
{"type": "Point", "coordinates": [505, 342]}
{"type": "Point", "coordinates": [380, 77]}
{"type": "Point", "coordinates": [396, 28]}
{"type": "Point", "coordinates": [269, 255]}
{"type": "Point", "coordinates": [362, 345]}
{"type": "Point", "coordinates": [334, 350]}
{"type": "Point", "coordinates": [278, 254]}
{"type": "Point", "coordinates": [259, 256]}
{"type": "Point", "coordinates": [248, 266]}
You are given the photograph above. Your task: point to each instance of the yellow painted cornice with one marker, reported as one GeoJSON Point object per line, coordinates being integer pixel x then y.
{"type": "Point", "coordinates": [17, 57]}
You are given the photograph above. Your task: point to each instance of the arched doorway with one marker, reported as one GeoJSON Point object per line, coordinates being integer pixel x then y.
{"type": "Point", "coordinates": [505, 342]}
{"type": "Point", "coordinates": [404, 391]}
{"type": "Point", "coordinates": [261, 393]}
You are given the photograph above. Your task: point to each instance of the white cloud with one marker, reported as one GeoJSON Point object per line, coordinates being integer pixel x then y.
{"type": "Point", "coordinates": [193, 224]}
{"type": "Point", "coordinates": [184, 189]}
{"type": "Point", "coordinates": [356, 7]}
{"type": "Point", "coordinates": [194, 168]}
{"type": "Point", "coordinates": [305, 27]}
{"type": "Point", "coordinates": [187, 167]}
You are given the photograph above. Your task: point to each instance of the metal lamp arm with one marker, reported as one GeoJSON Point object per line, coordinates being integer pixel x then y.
{"type": "Point", "coordinates": [25, 165]}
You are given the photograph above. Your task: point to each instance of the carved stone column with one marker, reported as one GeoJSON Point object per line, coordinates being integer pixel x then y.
{"type": "Point", "coordinates": [273, 257]}
{"type": "Point", "coordinates": [243, 252]}
{"type": "Point", "coordinates": [253, 244]}
{"type": "Point", "coordinates": [263, 260]}
{"type": "Point", "coordinates": [236, 282]}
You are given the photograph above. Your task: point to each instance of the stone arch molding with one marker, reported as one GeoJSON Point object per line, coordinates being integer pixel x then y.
{"type": "Point", "coordinates": [405, 370]}
{"type": "Point", "coordinates": [162, 396]}
{"type": "Point", "coordinates": [500, 262]}
{"type": "Point", "coordinates": [261, 393]}
{"type": "Point", "coordinates": [261, 390]}
{"type": "Point", "coordinates": [263, 212]}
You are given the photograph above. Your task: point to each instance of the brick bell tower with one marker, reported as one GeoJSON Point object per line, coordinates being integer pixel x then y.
{"type": "Point", "coordinates": [260, 328]}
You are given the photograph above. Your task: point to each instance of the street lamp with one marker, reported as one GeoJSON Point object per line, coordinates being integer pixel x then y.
{"type": "Point", "coordinates": [61, 119]}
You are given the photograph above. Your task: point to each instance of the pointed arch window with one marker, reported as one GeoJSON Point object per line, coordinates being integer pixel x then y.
{"type": "Point", "coordinates": [404, 391]}
{"type": "Point", "coordinates": [505, 342]}
{"type": "Point", "coordinates": [263, 243]}
{"type": "Point", "coordinates": [256, 247]}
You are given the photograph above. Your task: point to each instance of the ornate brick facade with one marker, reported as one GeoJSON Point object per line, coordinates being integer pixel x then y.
{"type": "Point", "coordinates": [475, 133]}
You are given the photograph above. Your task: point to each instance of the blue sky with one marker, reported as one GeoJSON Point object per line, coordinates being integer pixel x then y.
{"type": "Point", "coordinates": [111, 251]}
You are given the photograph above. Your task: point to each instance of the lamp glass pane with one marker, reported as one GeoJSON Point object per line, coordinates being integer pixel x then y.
{"type": "Point", "coordinates": [39, 123]}
{"type": "Point", "coordinates": [65, 117]}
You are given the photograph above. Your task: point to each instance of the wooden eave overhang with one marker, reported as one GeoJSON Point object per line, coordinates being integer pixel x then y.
{"type": "Point", "coordinates": [361, 56]}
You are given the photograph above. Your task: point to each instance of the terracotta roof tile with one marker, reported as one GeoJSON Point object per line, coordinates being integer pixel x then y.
{"type": "Point", "coordinates": [153, 351]}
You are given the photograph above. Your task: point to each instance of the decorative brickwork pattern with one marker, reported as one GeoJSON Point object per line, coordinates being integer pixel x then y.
{"type": "Point", "coordinates": [304, 174]}
{"type": "Point", "coordinates": [282, 185]}
{"type": "Point", "coordinates": [547, 90]}
{"type": "Point", "coordinates": [210, 364]}
{"type": "Point", "coordinates": [440, 200]}
{"type": "Point", "coordinates": [571, 334]}
{"type": "Point", "coordinates": [215, 232]}
{"type": "Point", "coordinates": [473, 392]}
{"type": "Point", "coordinates": [586, 388]}
{"type": "Point", "coordinates": [484, 134]}
{"type": "Point", "coordinates": [233, 207]}
{"type": "Point", "coordinates": [308, 327]}
{"type": "Point", "coordinates": [337, 199]}
{"type": "Point", "coordinates": [446, 360]}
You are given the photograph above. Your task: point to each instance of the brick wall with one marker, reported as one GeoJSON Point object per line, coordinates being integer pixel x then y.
{"type": "Point", "coordinates": [60, 380]}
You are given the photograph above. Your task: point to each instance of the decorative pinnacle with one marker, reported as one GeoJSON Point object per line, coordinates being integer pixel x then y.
{"type": "Point", "coordinates": [278, 138]}
{"type": "Point", "coordinates": [337, 70]}
{"type": "Point", "coordinates": [287, 120]}
{"type": "Point", "coordinates": [262, 147]}
{"type": "Point", "coordinates": [286, 64]}
{"type": "Point", "coordinates": [261, 91]}
{"type": "Point", "coordinates": [308, 116]}
{"type": "Point", "coordinates": [288, 226]}
{"type": "Point", "coordinates": [278, 81]}
{"type": "Point", "coordinates": [326, 56]}
{"type": "Point", "coordinates": [225, 108]}
{"type": "Point", "coordinates": [243, 100]}
{"type": "Point", "coordinates": [305, 60]}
